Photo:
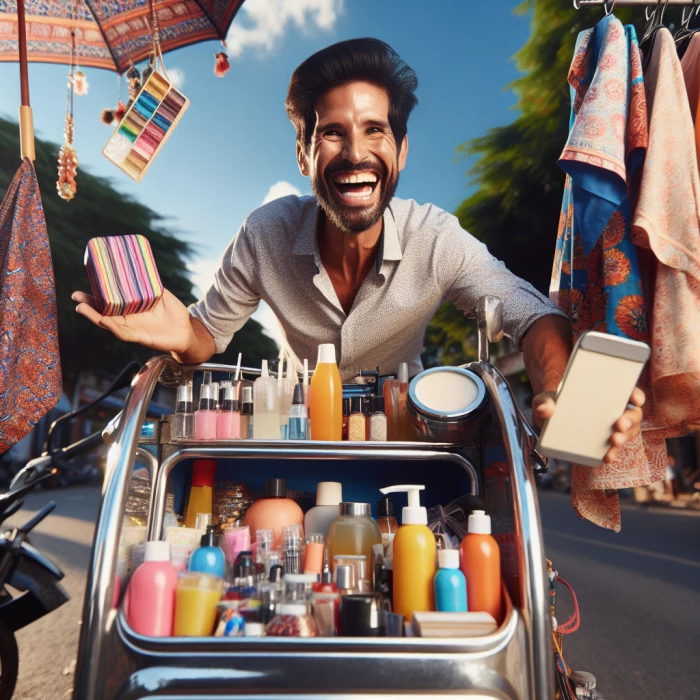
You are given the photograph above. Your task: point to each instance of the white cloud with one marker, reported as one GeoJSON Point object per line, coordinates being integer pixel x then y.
{"type": "Point", "coordinates": [262, 23]}
{"type": "Point", "coordinates": [281, 189]}
{"type": "Point", "coordinates": [177, 77]}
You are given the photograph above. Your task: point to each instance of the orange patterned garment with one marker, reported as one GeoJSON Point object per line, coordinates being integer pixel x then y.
{"type": "Point", "coordinates": [30, 370]}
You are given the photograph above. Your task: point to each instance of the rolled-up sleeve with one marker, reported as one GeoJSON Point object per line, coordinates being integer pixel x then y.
{"type": "Point", "coordinates": [234, 296]}
{"type": "Point", "coordinates": [471, 272]}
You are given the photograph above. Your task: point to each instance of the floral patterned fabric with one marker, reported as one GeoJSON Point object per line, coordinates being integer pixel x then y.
{"type": "Point", "coordinates": [597, 278]}
{"type": "Point", "coordinates": [30, 370]}
{"type": "Point", "coordinates": [111, 35]}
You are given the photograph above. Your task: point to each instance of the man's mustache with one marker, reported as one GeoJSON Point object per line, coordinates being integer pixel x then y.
{"type": "Point", "coordinates": [347, 167]}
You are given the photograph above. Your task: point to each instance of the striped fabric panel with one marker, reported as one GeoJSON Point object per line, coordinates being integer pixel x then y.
{"type": "Point", "coordinates": [122, 274]}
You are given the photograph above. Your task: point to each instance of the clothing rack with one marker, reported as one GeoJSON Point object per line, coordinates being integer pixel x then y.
{"type": "Point", "coordinates": [578, 4]}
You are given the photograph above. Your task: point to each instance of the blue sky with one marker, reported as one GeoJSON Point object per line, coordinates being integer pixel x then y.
{"type": "Point", "coordinates": [235, 142]}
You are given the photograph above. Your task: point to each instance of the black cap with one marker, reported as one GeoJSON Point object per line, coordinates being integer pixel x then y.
{"type": "Point", "coordinates": [356, 404]}
{"type": "Point", "coordinates": [276, 573]}
{"type": "Point", "coordinates": [275, 488]}
{"type": "Point", "coordinates": [385, 507]}
{"type": "Point", "coordinates": [244, 566]}
{"type": "Point", "coordinates": [209, 539]}
{"type": "Point", "coordinates": [298, 399]}
{"type": "Point", "coordinates": [377, 404]}
{"type": "Point", "coordinates": [367, 405]}
{"type": "Point", "coordinates": [346, 406]}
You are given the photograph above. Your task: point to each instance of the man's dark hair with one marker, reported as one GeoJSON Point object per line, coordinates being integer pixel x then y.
{"type": "Point", "coordinates": [368, 60]}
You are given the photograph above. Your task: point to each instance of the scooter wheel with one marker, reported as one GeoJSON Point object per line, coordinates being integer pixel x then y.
{"type": "Point", "coordinates": [9, 662]}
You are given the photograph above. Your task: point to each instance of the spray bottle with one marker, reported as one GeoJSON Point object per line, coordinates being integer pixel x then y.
{"type": "Point", "coordinates": [414, 557]}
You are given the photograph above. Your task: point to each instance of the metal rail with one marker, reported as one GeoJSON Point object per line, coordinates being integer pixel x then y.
{"type": "Point", "coordinates": [532, 575]}
{"type": "Point", "coordinates": [332, 450]}
{"type": "Point", "coordinates": [578, 4]}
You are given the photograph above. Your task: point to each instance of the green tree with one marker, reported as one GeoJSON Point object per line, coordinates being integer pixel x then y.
{"type": "Point", "coordinates": [517, 184]}
{"type": "Point", "coordinates": [100, 210]}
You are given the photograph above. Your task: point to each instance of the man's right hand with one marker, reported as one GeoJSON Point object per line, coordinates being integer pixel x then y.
{"type": "Point", "coordinates": [165, 327]}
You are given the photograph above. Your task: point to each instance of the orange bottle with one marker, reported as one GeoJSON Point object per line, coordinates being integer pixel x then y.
{"type": "Point", "coordinates": [480, 562]}
{"type": "Point", "coordinates": [326, 397]}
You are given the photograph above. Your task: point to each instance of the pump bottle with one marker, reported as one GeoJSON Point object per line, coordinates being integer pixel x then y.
{"type": "Point", "coordinates": [414, 557]}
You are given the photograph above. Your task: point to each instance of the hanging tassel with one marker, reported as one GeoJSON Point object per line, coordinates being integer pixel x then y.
{"type": "Point", "coordinates": [67, 164]}
{"type": "Point", "coordinates": [80, 83]}
{"type": "Point", "coordinates": [221, 64]}
{"type": "Point", "coordinates": [109, 116]}
{"type": "Point", "coordinates": [134, 79]}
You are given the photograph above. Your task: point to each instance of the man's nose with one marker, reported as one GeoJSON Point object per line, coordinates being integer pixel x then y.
{"type": "Point", "coordinates": [354, 148]}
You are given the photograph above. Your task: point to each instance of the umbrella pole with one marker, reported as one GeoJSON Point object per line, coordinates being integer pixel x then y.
{"type": "Point", "coordinates": [26, 122]}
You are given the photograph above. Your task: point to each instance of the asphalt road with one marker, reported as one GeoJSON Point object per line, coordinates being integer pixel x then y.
{"type": "Point", "coordinates": [639, 594]}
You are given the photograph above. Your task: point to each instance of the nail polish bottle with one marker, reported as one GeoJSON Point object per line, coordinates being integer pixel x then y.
{"type": "Point", "coordinates": [297, 416]}
{"type": "Point", "coordinates": [228, 419]}
{"type": "Point", "coordinates": [205, 416]}
{"type": "Point", "coordinates": [246, 407]}
{"type": "Point", "coordinates": [182, 422]}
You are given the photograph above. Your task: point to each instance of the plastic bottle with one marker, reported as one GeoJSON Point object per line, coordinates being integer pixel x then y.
{"type": "Point", "coordinates": [205, 416]}
{"type": "Point", "coordinates": [266, 414]}
{"type": "Point", "coordinates": [313, 554]}
{"type": "Point", "coordinates": [450, 584]}
{"type": "Point", "coordinates": [389, 527]}
{"type": "Point", "coordinates": [326, 402]}
{"type": "Point", "coordinates": [319, 518]}
{"type": "Point", "coordinates": [404, 421]}
{"type": "Point", "coordinates": [209, 558]}
{"type": "Point", "coordinates": [151, 601]}
{"type": "Point", "coordinates": [182, 422]}
{"type": "Point", "coordinates": [378, 421]}
{"type": "Point", "coordinates": [353, 532]}
{"type": "Point", "coordinates": [298, 420]}
{"type": "Point", "coordinates": [357, 421]}
{"type": "Point", "coordinates": [245, 403]}
{"type": "Point", "coordinates": [414, 557]}
{"type": "Point", "coordinates": [481, 565]}
{"type": "Point", "coordinates": [228, 419]}
{"type": "Point", "coordinates": [274, 511]}
{"type": "Point", "coordinates": [203, 471]}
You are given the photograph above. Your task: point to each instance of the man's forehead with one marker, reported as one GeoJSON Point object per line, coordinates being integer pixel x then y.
{"type": "Point", "coordinates": [353, 97]}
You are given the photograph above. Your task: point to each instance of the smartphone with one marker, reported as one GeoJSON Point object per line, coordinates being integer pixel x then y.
{"type": "Point", "coordinates": [594, 392]}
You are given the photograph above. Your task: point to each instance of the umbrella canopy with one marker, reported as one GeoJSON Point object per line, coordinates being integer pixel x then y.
{"type": "Point", "coordinates": [111, 35]}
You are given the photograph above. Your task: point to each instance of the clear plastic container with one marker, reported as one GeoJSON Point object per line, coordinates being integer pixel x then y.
{"type": "Point", "coordinates": [353, 532]}
{"type": "Point", "coordinates": [293, 536]}
{"type": "Point", "coordinates": [292, 620]}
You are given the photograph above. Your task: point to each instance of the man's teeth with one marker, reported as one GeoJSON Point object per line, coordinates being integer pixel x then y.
{"type": "Point", "coordinates": [355, 179]}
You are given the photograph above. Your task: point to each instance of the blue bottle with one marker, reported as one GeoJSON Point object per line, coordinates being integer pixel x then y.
{"type": "Point", "coordinates": [209, 558]}
{"type": "Point", "coordinates": [450, 584]}
{"type": "Point", "coordinates": [298, 417]}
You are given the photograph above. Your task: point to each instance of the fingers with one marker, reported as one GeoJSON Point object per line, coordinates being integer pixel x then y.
{"type": "Point", "coordinates": [638, 397]}
{"type": "Point", "coordinates": [85, 309]}
{"type": "Point", "coordinates": [543, 405]}
{"type": "Point", "coordinates": [83, 298]}
{"type": "Point", "coordinates": [628, 426]}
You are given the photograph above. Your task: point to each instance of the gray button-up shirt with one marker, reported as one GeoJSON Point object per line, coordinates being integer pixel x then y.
{"type": "Point", "coordinates": [424, 259]}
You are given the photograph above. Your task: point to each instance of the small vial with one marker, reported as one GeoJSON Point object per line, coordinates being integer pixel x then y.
{"type": "Point", "coordinates": [293, 542]}
{"type": "Point", "coordinates": [313, 554]}
{"type": "Point", "coordinates": [263, 545]}
{"type": "Point", "coordinates": [378, 421]}
{"type": "Point", "coordinates": [246, 408]}
{"type": "Point", "coordinates": [182, 422]}
{"type": "Point", "coordinates": [357, 421]}
{"type": "Point", "coordinates": [205, 416]}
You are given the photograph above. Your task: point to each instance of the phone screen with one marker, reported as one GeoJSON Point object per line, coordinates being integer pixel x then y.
{"type": "Point", "coordinates": [594, 394]}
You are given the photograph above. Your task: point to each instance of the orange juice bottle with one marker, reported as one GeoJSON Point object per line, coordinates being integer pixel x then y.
{"type": "Point", "coordinates": [326, 401]}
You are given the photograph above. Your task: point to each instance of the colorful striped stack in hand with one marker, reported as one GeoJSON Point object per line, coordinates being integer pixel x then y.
{"type": "Point", "coordinates": [123, 275]}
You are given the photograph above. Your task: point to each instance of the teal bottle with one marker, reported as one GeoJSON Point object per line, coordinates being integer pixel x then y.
{"type": "Point", "coordinates": [209, 558]}
{"type": "Point", "coordinates": [450, 584]}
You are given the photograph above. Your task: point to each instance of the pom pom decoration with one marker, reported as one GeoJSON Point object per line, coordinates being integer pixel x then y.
{"type": "Point", "coordinates": [67, 164]}
{"type": "Point", "coordinates": [109, 116]}
{"type": "Point", "coordinates": [134, 79]}
{"type": "Point", "coordinates": [221, 64]}
{"type": "Point", "coordinates": [120, 111]}
{"type": "Point", "coordinates": [80, 83]}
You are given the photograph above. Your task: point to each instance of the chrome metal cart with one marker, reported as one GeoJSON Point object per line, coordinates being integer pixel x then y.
{"type": "Point", "coordinates": [515, 662]}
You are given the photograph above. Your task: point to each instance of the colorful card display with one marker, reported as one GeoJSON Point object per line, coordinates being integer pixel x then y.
{"type": "Point", "coordinates": [123, 274]}
{"type": "Point", "coordinates": [146, 126]}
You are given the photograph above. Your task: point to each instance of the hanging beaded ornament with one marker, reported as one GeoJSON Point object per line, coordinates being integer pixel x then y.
{"type": "Point", "coordinates": [67, 157]}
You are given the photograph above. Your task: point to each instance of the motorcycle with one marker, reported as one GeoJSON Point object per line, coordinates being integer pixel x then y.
{"type": "Point", "coordinates": [22, 567]}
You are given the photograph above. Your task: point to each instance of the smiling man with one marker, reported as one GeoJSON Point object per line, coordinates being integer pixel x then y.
{"type": "Point", "coordinates": [353, 265]}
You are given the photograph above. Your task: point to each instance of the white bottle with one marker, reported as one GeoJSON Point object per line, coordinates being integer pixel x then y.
{"type": "Point", "coordinates": [266, 424]}
{"type": "Point", "coordinates": [319, 518]}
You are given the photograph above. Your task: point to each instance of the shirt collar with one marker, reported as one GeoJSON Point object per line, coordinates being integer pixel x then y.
{"type": "Point", "coordinates": [307, 244]}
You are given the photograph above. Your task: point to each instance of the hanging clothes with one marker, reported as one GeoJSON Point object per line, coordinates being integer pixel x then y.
{"type": "Point", "coordinates": [691, 74]}
{"type": "Point", "coordinates": [667, 222]}
{"type": "Point", "coordinates": [30, 370]}
{"type": "Point", "coordinates": [596, 277]}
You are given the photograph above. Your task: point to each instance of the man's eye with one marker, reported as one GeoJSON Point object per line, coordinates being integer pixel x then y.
{"type": "Point", "coordinates": [332, 132]}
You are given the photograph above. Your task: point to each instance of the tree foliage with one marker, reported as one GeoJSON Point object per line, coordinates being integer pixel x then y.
{"type": "Point", "coordinates": [518, 186]}
{"type": "Point", "coordinates": [100, 210]}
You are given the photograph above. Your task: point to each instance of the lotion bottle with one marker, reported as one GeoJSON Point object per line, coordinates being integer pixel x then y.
{"type": "Point", "coordinates": [319, 518]}
{"type": "Point", "coordinates": [450, 583]}
{"type": "Point", "coordinates": [326, 397]}
{"type": "Point", "coordinates": [481, 565]}
{"type": "Point", "coordinates": [414, 557]}
{"type": "Point", "coordinates": [209, 558]}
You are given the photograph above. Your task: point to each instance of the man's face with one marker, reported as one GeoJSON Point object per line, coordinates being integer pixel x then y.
{"type": "Point", "coordinates": [353, 159]}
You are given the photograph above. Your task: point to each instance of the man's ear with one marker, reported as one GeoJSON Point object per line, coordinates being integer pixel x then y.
{"type": "Point", "coordinates": [301, 159]}
{"type": "Point", "coordinates": [403, 153]}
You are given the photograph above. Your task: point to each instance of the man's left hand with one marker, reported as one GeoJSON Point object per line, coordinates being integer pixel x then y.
{"type": "Point", "coordinates": [627, 427]}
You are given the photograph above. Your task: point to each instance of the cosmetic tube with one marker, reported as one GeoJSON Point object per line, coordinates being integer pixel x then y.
{"type": "Point", "coordinates": [205, 416]}
{"type": "Point", "coordinates": [228, 419]}
{"type": "Point", "coordinates": [313, 554]}
{"type": "Point", "coordinates": [246, 407]}
{"type": "Point", "coordinates": [357, 421]}
{"type": "Point", "coordinates": [182, 422]}
{"type": "Point", "coordinates": [298, 420]}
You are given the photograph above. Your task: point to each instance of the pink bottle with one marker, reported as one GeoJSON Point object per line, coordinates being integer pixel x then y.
{"type": "Point", "coordinates": [228, 419]}
{"type": "Point", "coordinates": [205, 416]}
{"type": "Point", "coordinates": [150, 606]}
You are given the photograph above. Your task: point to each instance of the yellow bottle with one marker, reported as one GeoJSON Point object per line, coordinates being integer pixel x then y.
{"type": "Point", "coordinates": [326, 397]}
{"type": "Point", "coordinates": [414, 557]}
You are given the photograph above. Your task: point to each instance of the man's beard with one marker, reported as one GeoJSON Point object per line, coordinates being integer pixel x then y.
{"type": "Point", "coordinates": [353, 219]}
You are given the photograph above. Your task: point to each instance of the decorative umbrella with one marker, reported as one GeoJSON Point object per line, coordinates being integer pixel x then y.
{"type": "Point", "coordinates": [30, 371]}
{"type": "Point", "coordinates": [112, 35]}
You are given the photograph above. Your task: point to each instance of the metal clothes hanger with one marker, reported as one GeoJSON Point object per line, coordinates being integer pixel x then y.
{"type": "Point", "coordinates": [684, 35]}
{"type": "Point", "coordinates": [655, 22]}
